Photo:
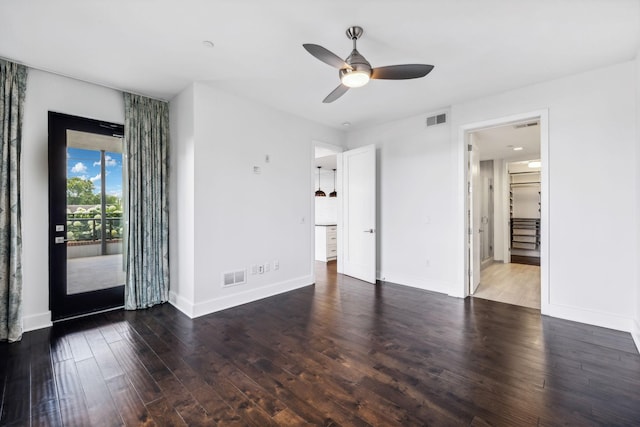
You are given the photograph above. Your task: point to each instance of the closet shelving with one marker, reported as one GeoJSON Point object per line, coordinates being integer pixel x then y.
{"type": "Point", "coordinates": [524, 208]}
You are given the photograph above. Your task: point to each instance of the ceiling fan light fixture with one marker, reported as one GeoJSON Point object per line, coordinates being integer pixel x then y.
{"type": "Point", "coordinates": [356, 71]}
{"type": "Point", "coordinates": [354, 78]}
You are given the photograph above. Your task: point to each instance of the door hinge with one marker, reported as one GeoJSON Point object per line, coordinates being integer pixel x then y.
{"type": "Point", "coordinates": [469, 147]}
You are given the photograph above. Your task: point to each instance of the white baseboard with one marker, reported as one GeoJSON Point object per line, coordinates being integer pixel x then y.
{"type": "Point", "coordinates": [182, 304]}
{"type": "Point", "coordinates": [590, 317]}
{"type": "Point", "coordinates": [236, 299]}
{"type": "Point", "coordinates": [636, 333]}
{"type": "Point", "coordinates": [442, 287]}
{"type": "Point", "coordinates": [36, 321]}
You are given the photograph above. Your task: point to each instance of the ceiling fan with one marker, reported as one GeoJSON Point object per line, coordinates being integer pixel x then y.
{"type": "Point", "coordinates": [355, 70]}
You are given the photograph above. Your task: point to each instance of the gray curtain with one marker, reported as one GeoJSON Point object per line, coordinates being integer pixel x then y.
{"type": "Point", "coordinates": [146, 141]}
{"type": "Point", "coordinates": [13, 84]}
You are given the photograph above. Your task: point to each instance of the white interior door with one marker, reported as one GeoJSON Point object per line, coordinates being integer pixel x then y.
{"type": "Point", "coordinates": [475, 193]}
{"type": "Point", "coordinates": [359, 213]}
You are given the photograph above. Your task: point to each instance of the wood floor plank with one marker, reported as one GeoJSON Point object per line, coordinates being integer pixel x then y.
{"type": "Point", "coordinates": [100, 406]}
{"type": "Point", "coordinates": [17, 388]}
{"type": "Point", "coordinates": [44, 396]}
{"type": "Point", "coordinates": [165, 415]}
{"type": "Point", "coordinates": [136, 372]}
{"type": "Point", "coordinates": [109, 366]}
{"type": "Point", "coordinates": [73, 407]}
{"type": "Point", "coordinates": [128, 403]}
{"type": "Point", "coordinates": [46, 415]}
{"type": "Point", "coordinates": [79, 346]}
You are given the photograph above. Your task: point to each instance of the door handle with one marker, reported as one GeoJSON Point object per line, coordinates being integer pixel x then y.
{"type": "Point", "coordinates": [59, 239]}
{"type": "Point", "coordinates": [371, 231]}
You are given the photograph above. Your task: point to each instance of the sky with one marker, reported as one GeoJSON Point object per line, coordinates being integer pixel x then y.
{"type": "Point", "coordinates": [86, 165]}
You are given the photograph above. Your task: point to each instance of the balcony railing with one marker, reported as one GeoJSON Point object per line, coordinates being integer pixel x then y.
{"type": "Point", "coordinates": [90, 229]}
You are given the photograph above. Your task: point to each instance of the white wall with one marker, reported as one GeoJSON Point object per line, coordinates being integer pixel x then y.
{"type": "Point", "coordinates": [592, 266]}
{"type": "Point", "coordinates": [501, 234]}
{"type": "Point", "coordinates": [241, 218]}
{"type": "Point", "coordinates": [592, 250]}
{"type": "Point", "coordinates": [636, 329]}
{"type": "Point", "coordinates": [182, 203]}
{"type": "Point", "coordinates": [416, 189]}
{"type": "Point", "coordinates": [49, 92]}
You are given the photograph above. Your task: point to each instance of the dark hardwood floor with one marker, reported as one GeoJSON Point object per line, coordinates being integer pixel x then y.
{"type": "Point", "coordinates": [340, 353]}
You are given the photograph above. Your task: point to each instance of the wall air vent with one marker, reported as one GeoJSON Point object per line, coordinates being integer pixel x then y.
{"type": "Point", "coordinates": [437, 119]}
{"type": "Point", "coordinates": [525, 125]}
{"type": "Point", "coordinates": [233, 278]}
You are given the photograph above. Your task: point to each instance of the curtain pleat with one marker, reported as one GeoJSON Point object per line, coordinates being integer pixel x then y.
{"type": "Point", "coordinates": [13, 83]}
{"type": "Point", "coordinates": [146, 142]}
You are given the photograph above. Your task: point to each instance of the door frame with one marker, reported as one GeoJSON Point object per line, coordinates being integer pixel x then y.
{"type": "Point", "coordinates": [473, 203]}
{"type": "Point", "coordinates": [337, 151]}
{"type": "Point", "coordinates": [61, 304]}
{"type": "Point", "coordinates": [463, 199]}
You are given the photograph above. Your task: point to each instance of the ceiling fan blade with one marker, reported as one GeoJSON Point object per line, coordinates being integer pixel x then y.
{"type": "Point", "coordinates": [337, 93]}
{"type": "Point", "coordinates": [401, 72]}
{"type": "Point", "coordinates": [326, 56]}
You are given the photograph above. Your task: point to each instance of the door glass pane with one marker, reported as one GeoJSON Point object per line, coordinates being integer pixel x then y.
{"type": "Point", "coordinates": [95, 225]}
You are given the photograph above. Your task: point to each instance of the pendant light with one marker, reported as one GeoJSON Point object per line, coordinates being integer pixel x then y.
{"type": "Point", "coordinates": [334, 193]}
{"type": "Point", "coordinates": [320, 193]}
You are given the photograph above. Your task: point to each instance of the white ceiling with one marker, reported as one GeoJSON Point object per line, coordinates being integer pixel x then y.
{"type": "Point", "coordinates": [155, 47]}
{"type": "Point", "coordinates": [499, 142]}
{"type": "Point", "coordinates": [327, 162]}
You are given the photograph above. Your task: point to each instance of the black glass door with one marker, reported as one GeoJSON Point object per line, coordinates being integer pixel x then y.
{"type": "Point", "coordinates": [86, 224]}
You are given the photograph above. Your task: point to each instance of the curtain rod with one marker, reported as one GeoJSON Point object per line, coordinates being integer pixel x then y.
{"type": "Point", "coordinates": [82, 80]}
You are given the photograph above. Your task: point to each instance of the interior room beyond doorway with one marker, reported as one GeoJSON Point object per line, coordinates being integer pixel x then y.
{"type": "Point", "coordinates": [325, 204]}
{"type": "Point", "coordinates": [505, 174]}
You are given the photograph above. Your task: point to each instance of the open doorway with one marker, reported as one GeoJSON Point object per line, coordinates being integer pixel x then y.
{"type": "Point", "coordinates": [352, 238]}
{"type": "Point", "coordinates": [505, 197]}
{"type": "Point", "coordinates": [325, 169]}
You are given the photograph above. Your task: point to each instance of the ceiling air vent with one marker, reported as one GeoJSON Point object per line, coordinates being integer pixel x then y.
{"type": "Point", "coordinates": [436, 120]}
{"type": "Point", "coordinates": [525, 125]}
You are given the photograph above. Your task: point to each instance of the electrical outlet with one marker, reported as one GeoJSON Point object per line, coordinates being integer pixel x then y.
{"type": "Point", "coordinates": [261, 269]}
{"type": "Point", "coordinates": [276, 265]}
{"type": "Point", "coordinates": [254, 269]}
{"type": "Point", "coordinates": [267, 267]}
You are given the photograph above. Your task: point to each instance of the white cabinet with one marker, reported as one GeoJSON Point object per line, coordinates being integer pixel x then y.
{"type": "Point", "coordinates": [326, 242]}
